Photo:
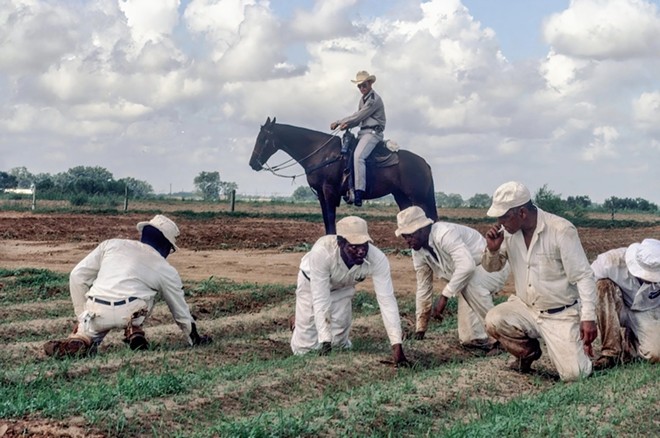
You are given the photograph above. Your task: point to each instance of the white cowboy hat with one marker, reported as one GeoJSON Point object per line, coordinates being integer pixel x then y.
{"type": "Point", "coordinates": [363, 76]}
{"type": "Point", "coordinates": [507, 196]}
{"type": "Point", "coordinates": [354, 230]}
{"type": "Point", "coordinates": [165, 226]}
{"type": "Point", "coordinates": [410, 220]}
{"type": "Point", "coordinates": [643, 260]}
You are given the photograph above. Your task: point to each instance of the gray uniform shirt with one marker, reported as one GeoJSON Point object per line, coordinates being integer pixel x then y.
{"type": "Point", "coordinates": [371, 112]}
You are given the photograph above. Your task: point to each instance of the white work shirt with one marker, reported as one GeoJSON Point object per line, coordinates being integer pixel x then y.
{"type": "Point", "coordinates": [553, 272]}
{"type": "Point", "coordinates": [118, 269]}
{"type": "Point", "coordinates": [459, 250]}
{"type": "Point", "coordinates": [637, 296]}
{"type": "Point", "coordinates": [327, 272]}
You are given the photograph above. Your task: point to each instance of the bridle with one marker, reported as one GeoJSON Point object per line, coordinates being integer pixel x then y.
{"type": "Point", "coordinates": [269, 141]}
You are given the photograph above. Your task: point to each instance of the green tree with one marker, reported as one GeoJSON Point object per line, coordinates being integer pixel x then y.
{"type": "Point", "coordinates": [24, 179]}
{"type": "Point", "coordinates": [453, 200]}
{"type": "Point", "coordinates": [136, 188]}
{"type": "Point", "coordinates": [304, 194]}
{"type": "Point", "coordinates": [479, 200]}
{"type": "Point", "coordinates": [7, 181]}
{"type": "Point", "coordinates": [227, 187]}
{"type": "Point", "coordinates": [549, 201]}
{"type": "Point", "coordinates": [208, 185]}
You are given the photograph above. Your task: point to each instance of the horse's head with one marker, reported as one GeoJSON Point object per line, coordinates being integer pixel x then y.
{"type": "Point", "coordinates": [265, 145]}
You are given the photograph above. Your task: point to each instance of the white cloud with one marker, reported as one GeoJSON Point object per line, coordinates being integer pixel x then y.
{"type": "Point", "coordinates": [185, 86]}
{"type": "Point", "coordinates": [327, 19]}
{"type": "Point", "coordinates": [603, 144]}
{"type": "Point", "coordinates": [605, 29]}
{"type": "Point", "coordinates": [646, 112]}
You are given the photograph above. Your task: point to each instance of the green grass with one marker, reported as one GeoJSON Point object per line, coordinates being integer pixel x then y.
{"type": "Point", "coordinates": [247, 383]}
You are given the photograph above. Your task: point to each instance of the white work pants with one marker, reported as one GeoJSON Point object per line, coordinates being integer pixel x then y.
{"type": "Point", "coordinates": [305, 336]}
{"type": "Point", "coordinates": [516, 325]}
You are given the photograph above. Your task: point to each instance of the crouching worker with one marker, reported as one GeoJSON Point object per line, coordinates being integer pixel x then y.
{"type": "Point", "coordinates": [326, 286]}
{"type": "Point", "coordinates": [115, 287]}
{"type": "Point", "coordinates": [628, 306]}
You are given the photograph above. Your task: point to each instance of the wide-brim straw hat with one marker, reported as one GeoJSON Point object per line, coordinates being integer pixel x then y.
{"type": "Point", "coordinates": [354, 229]}
{"type": "Point", "coordinates": [410, 220]}
{"type": "Point", "coordinates": [363, 76]}
{"type": "Point", "coordinates": [643, 260]}
{"type": "Point", "coordinates": [507, 196]}
{"type": "Point", "coordinates": [165, 225]}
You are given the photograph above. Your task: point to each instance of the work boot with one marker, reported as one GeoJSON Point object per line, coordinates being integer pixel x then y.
{"type": "Point", "coordinates": [135, 338]}
{"type": "Point", "coordinates": [69, 347]}
{"type": "Point", "coordinates": [359, 194]}
{"type": "Point", "coordinates": [605, 362]}
{"type": "Point", "coordinates": [524, 364]}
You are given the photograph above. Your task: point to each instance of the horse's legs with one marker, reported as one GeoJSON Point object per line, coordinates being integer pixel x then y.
{"type": "Point", "coordinates": [402, 200]}
{"type": "Point", "coordinates": [329, 210]}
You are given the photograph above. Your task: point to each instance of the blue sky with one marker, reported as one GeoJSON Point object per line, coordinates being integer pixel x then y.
{"type": "Point", "coordinates": [563, 93]}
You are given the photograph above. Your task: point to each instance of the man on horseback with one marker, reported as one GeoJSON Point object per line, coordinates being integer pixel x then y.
{"type": "Point", "coordinates": [371, 118]}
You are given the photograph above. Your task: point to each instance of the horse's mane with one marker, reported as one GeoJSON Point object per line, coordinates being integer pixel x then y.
{"type": "Point", "coordinates": [304, 131]}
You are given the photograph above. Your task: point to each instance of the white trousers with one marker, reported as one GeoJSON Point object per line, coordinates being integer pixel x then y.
{"type": "Point", "coordinates": [474, 302]}
{"type": "Point", "coordinates": [516, 323]}
{"type": "Point", "coordinates": [97, 319]}
{"type": "Point", "coordinates": [646, 327]}
{"type": "Point", "coordinates": [365, 146]}
{"type": "Point", "coordinates": [305, 335]}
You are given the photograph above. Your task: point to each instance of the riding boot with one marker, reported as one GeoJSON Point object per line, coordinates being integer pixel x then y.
{"type": "Point", "coordinates": [358, 198]}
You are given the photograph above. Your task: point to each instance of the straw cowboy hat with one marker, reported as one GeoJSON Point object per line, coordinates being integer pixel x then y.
{"type": "Point", "coordinates": [643, 260]}
{"type": "Point", "coordinates": [410, 220]}
{"type": "Point", "coordinates": [354, 230]}
{"type": "Point", "coordinates": [165, 226]}
{"type": "Point", "coordinates": [363, 76]}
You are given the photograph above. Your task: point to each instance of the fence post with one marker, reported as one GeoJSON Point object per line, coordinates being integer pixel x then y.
{"type": "Point", "coordinates": [34, 197]}
{"type": "Point", "coordinates": [232, 200]}
{"type": "Point", "coordinates": [125, 198]}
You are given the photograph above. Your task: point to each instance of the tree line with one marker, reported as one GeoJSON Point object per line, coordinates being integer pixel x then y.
{"type": "Point", "coordinates": [544, 198]}
{"type": "Point", "coordinates": [82, 183]}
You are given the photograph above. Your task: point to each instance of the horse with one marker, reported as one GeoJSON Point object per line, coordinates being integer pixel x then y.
{"type": "Point", "coordinates": [410, 181]}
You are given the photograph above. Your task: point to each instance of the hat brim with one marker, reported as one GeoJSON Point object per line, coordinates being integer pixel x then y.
{"type": "Point", "coordinates": [371, 78]}
{"type": "Point", "coordinates": [496, 211]}
{"type": "Point", "coordinates": [357, 239]}
{"type": "Point", "coordinates": [411, 228]}
{"type": "Point", "coordinates": [638, 270]}
{"type": "Point", "coordinates": [141, 225]}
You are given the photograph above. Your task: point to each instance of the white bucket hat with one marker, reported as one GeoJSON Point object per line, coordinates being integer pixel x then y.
{"type": "Point", "coordinates": [507, 196]}
{"type": "Point", "coordinates": [354, 230]}
{"type": "Point", "coordinates": [643, 260]}
{"type": "Point", "coordinates": [410, 220]}
{"type": "Point", "coordinates": [165, 226]}
{"type": "Point", "coordinates": [363, 76]}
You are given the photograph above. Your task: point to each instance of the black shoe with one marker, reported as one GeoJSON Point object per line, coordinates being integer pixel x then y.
{"type": "Point", "coordinates": [137, 341]}
{"type": "Point", "coordinates": [358, 198]}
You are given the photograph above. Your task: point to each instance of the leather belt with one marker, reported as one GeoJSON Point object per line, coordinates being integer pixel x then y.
{"type": "Point", "coordinates": [559, 309]}
{"type": "Point", "coordinates": [377, 128]}
{"type": "Point", "coordinates": [115, 303]}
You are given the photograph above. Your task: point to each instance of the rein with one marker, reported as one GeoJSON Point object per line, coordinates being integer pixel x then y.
{"type": "Point", "coordinates": [291, 161]}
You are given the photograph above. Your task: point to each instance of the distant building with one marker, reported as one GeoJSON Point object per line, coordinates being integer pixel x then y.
{"type": "Point", "coordinates": [19, 191]}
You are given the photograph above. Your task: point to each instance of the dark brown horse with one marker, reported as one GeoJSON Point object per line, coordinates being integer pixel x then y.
{"type": "Point", "coordinates": [410, 181]}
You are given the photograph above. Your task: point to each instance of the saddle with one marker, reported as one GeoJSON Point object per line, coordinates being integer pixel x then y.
{"type": "Point", "coordinates": [381, 156]}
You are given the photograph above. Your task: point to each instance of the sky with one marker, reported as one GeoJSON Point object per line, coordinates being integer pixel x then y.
{"type": "Point", "coordinates": [558, 93]}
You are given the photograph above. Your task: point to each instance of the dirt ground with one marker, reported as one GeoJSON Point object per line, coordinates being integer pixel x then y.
{"type": "Point", "coordinates": [240, 249]}
{"type": "Point", "coordinates": [257, 250]}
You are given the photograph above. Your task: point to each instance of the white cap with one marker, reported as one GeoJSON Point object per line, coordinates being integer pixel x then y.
{"type": "Point", "coordinates": [354, 230]}
{"type": "Point", "coordinates": [410, 220]}
{"type": "Point", "coordinates": [507, 196]}
{"type": "Point", "coordinates": [165, 226]}
{"type": "Point", "coordinates": [643, 260]}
